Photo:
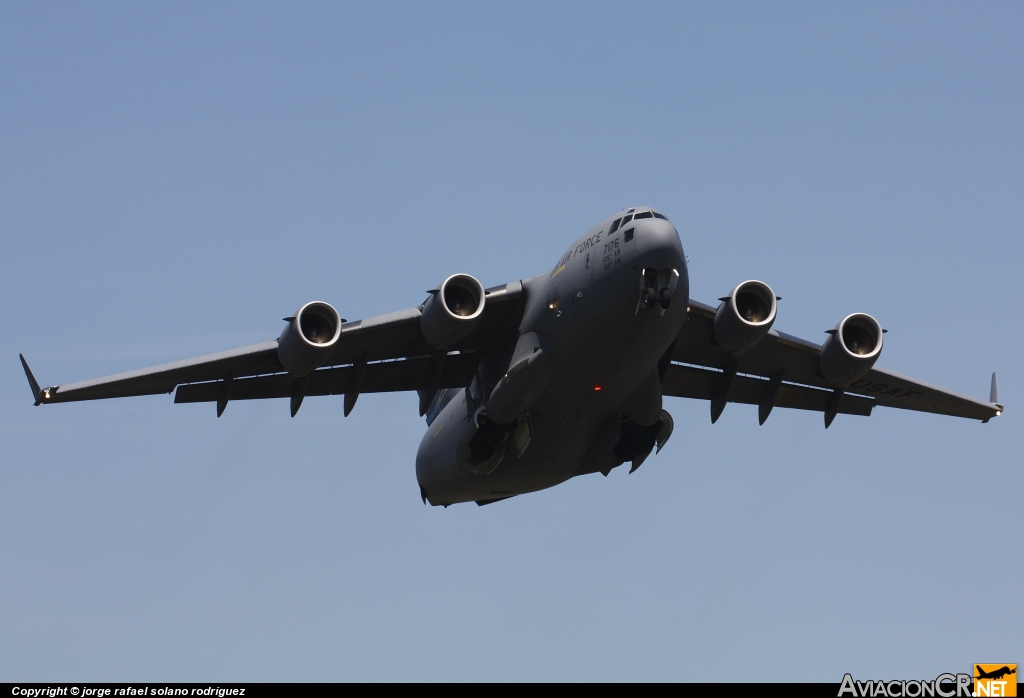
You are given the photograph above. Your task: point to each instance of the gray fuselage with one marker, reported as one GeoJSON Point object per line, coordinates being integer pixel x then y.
{"type": "Point", "coordinates": [584, 362]}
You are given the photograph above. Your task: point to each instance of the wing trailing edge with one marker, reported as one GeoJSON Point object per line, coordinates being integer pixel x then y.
{"type": "Point", "coordinates": [704, 383]}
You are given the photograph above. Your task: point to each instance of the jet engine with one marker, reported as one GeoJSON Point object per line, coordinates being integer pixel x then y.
{"type": "Point", "coordinates": [851, 349]}
{"type": "Point", "coordinates": [308, 340]}
{"type": "Point", "coordinates": [745, 316]}
{"type": "Point", "coordinates": [452, 311]}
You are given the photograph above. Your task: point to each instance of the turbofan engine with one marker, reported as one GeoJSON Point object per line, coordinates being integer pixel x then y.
{"type": "Point", "coordinates": [308, 340]}
{"type": "Point", "coordinates": [851, 349]}
{"type": "Point", "coordinates": [452, 311]}
{"type": "Point", "coordinates": [745, 316]}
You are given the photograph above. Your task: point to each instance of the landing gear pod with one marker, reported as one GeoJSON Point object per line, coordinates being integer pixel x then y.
{"type": "Point", "coordinates": [667, 425]}
{"type": "Point", "coordinates": [308, 340]}
{"type": "Point", "coordinates": [452, 311]}
{"type": "Point", "coordinates": [527, 377]}
{"type": "Point", "coordinates": [851, 349]}
{"type": "Point", "coordinates": [745, 316]}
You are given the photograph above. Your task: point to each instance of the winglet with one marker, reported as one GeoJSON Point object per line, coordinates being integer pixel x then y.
{"type": "Point", "coordinates": [34, 384]}
{"type": "Point", "coordinates": [993, 397]}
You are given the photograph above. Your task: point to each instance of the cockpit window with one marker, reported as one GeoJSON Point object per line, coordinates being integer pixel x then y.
{"type": "Point", "coordinates": [625, 220]}
{"type": "Point", "coordinates": [658, 215]}
{"type": "Point", "coordinates": [615, 226]}
{"type": "Point", "coordinates": [645, 214]}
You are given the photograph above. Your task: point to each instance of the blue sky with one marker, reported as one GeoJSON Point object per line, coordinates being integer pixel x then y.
{"type": "Point", "coordinates": [174, 179]}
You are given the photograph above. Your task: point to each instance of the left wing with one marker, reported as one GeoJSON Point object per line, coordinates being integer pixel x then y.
{"type": "Point", "coordinates": [379, 354]}
{"type": "Point", "coordinates": [783, 370]}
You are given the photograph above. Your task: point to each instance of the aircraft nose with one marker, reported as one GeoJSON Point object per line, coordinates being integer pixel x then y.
{"type": "Point", "coordinates": [659, 245]}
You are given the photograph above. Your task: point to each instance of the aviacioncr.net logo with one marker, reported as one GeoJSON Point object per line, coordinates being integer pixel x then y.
{"type": "Point", "coordinates": [944, 686]}
{"type": "Point", "coordinates": [995, 680]}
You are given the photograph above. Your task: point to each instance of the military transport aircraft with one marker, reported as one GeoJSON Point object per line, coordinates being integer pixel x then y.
{"type": "Point", "coordinates": [528, 384]}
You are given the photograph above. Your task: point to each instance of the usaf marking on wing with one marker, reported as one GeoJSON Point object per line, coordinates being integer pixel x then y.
{"type": "Point", "coordinates": [530, 383]}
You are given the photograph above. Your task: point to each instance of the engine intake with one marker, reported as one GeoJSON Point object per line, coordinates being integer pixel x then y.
{"type": "Point", "coordinates": [851, 349]}
{"type": "Point", "coordinates": [452, 311]}
{"type": "Point", "coordinates": [308, 340]}
{"type": "Point", "coordinates": [745, 316]}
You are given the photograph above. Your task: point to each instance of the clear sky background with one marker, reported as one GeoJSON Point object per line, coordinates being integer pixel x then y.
{"type": "Point", "coordinates": [175, 179]}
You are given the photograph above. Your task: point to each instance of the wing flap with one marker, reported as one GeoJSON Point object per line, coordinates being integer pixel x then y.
{"type": "Point", "coordinates": [381, 377]}
{"type": "Point", "coordinates": [704, 384]}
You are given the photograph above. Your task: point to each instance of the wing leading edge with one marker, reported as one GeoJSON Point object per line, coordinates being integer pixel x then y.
{"type": "Point", "coordinates": [783, 370]}
{"type": "Point", "coordinates": [379, 354]}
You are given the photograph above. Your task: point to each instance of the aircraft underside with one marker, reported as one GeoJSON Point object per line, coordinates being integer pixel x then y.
{"type": "Point", "coordinates": [528, 384]}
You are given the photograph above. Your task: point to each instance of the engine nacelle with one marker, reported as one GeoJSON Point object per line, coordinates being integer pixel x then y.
{"type": "Point", "coordinates": [308, 340]}
{"type": "Point", "coordinates": [745, 316]}
{"type": "Point", "coordinates": [851, 349]}
{"type": "Point", "coordinates": [452, 311]}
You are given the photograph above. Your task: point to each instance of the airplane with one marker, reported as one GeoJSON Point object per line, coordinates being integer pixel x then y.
{"type": "Point", "coordinates": [996, 674]}
{"type": "Point", "coordinates": [528, 384]}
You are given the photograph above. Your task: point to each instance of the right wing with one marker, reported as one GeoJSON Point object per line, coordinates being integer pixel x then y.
{"type": "Point", "coordinates": [782, 370]}
{"type": "Point", "coordinates": [380, 354]}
